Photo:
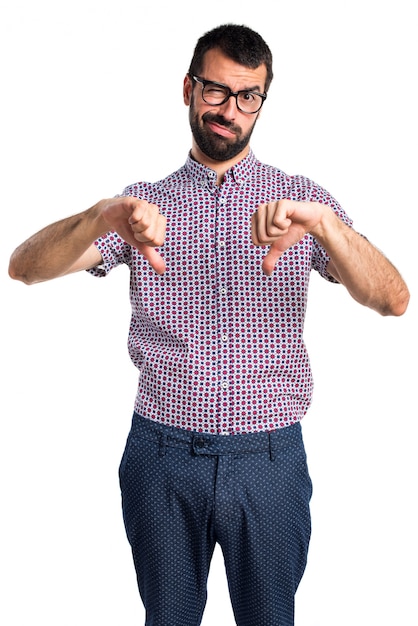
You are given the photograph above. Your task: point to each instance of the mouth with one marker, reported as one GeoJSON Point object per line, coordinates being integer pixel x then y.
{"type": "Point", "coordinates": [220, 129]}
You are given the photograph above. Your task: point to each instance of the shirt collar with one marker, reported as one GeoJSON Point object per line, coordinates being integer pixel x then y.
{"type": "Point", "coordinates": [203, 174]}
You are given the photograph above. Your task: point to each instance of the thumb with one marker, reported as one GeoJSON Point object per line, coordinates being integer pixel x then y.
{"type": "Point", "coordinates": [153, 257]}
{"type": "Point", "coordinates": [269, 262]}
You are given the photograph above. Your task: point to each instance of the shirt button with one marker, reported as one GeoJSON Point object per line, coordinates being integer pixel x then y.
{"type": "Point", "coordinates": [224, 385]}
{"type": "Point", "coordinates": [223, 291]}
{"type": "Point", "coordinates": [224, 337]}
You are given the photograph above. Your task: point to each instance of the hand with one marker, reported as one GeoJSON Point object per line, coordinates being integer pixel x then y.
{"type": "Point", "coordinates": [140, 224]}
{"type": "Point", "coordinates": [280, 225]}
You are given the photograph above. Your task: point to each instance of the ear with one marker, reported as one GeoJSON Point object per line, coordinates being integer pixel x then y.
{"type": "Point", "coordinates": [187, 89]}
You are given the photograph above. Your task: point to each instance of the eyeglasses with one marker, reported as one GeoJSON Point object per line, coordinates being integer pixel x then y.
{"type": "Point", "coordinates": [216, 94]}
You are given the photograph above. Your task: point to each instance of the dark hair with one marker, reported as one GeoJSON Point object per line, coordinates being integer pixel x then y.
{"type": "Point", "coordinates": [239, 43]}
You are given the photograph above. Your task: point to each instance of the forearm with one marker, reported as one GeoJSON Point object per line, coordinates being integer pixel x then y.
{"type": "Point", "coordinates": [366, 273]}
{"type": "Point", "coordinates": [55, 249]}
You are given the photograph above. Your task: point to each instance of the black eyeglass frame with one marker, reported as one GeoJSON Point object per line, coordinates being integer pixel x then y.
{"type": "Point", "coordinates": [230, 93]}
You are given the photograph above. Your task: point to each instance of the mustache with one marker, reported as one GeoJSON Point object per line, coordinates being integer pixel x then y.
{"type": "Point", "coordinates": [219, 119]}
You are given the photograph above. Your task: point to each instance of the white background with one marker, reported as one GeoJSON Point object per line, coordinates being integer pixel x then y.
{"type": "Point", "coordinates": [92, 101]}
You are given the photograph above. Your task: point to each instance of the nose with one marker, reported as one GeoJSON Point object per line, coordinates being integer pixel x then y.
{"type": "Point", "coordinates": [229, 109]}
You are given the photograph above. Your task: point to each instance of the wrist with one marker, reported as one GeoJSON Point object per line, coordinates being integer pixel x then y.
{"type": "Point", "coordinates": [327, 226]}
{"type": "Point", "coordinates": [95, 217]}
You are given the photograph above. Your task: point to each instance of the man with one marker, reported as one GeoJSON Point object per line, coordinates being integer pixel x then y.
{"type": "Point", "coordinates": [215, 452]}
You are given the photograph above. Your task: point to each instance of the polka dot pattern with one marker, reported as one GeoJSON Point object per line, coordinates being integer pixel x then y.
{"type": "Point", "coordinates": [219, 345]}
{"type": "Point", "coordinates": [183, 492]}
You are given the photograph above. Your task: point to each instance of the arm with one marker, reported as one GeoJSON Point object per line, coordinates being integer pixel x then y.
{"type": "Point", "coordinates": [366, 273]}
{"type": "Point", "coordinates": [68, 245]}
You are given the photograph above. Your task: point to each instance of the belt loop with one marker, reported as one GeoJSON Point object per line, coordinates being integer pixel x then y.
{"type": "Point", "coordinates": [163, 444]}
{"type": "Point", "coordinates": [271, 449]}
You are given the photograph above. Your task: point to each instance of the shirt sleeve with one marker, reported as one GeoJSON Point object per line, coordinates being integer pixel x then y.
{"type": "Point", "coordinates": [114, 251]}
{"type": "Point", "coordinates": [307, 190]}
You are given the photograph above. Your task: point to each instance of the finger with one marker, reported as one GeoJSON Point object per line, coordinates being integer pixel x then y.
{"type": "Point", "coordinates": [151, 232]}
{"type": "Point", "coordinates": [269, 223]}
{"type": "Point", "coordinates": [153, 257]}
{"type": "Point", "coordinates": [259, 226]}
{"type": "Point", "coordinates": [143, 216]}
{"type": "Point", "coordinates": [277, 222]}
{"type": "Point", "coordinates": [264, 221]}
{"type": "Point", "coordinates": [273, 255]}
{"type": "Point", "coordinates": [254, 233]}
{"type": "Point", "coordinates": [154, 235]}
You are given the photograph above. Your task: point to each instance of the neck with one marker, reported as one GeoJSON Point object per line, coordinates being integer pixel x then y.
{"type": "Point", "coordinates": [220, 167]}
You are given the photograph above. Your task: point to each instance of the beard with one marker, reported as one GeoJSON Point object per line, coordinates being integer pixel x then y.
{"type": "Point", "coordinates": [215, 146]}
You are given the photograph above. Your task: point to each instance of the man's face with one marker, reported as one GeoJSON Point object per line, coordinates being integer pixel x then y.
{"type": "Point", "coordinates": [222, 132]}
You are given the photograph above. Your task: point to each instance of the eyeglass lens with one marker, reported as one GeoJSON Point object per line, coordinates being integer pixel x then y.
{"type": "Point", "coordinates": [247, 101]}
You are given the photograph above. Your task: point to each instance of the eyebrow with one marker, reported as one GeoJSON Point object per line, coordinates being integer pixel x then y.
{"type": "Point", "coordinates": [255, 88]}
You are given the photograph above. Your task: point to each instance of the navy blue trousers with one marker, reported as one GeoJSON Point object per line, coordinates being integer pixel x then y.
{"type": "Point", "coordinates": [183, 492]}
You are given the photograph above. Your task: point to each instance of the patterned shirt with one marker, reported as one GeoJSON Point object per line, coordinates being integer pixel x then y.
{"type": "Point", "coordinates": [219, 345]}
